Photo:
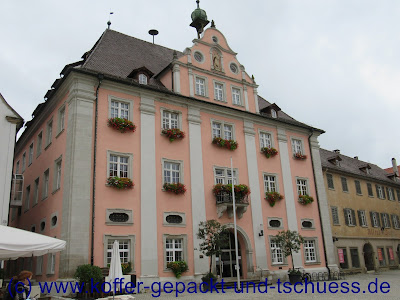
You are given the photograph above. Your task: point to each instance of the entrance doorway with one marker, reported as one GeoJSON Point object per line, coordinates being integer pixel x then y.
{"type": "Point", "coordinates": [369, 257]}
{"type": "Point", "coordinates": [226, 262]}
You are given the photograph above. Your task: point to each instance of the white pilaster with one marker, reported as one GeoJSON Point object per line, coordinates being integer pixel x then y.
{"type": "Point", "coordinates": [290, 197]}
{"type": "Point", "coordinates": [148, 241]}
{"type": "Point", "coordinates": [191, 83]}
{"type": "Point", "coordinates": [256, 101]}
{"type": "Point", "coordinates": [256, 205]}
{"type": "Point", "coordinates": [197, 189]}
{"type": "Point", "coordinates": [246, 98]}
{"type": "Point", "coordinates": [177, 78]}
{"type": "Point", "coordinates": [323, 205]}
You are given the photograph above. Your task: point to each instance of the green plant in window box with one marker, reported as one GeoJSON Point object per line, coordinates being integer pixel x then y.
{"type": "Point", "coordinates": [123, 125]}
{"type": "Point", "coordinates": [176, 188]}
{"type": "Point", "coordinates": [273, 197]}
{"type": "Point", "coordinates": [241, 190]}
{"type": "Point", "coordinates": [269, 152]}
{"type": "Point", "coordinates": [120, 183]}
{"type": "Point", "coordinates": [305, 199]}
{"type": "Point", "coordinates": [229, 144]}
{"type": "Point", "coordinates": [126, 268]}
{"type": "Point", "coordinates": [173, 134]}
{"type": "Point", "coordinates": [299, 156]}
{"type": "Point", "coordinates": [178, 267]}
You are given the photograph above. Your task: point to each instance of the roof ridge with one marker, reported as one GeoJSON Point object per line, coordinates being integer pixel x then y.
{"type": "Point", "coordinates": [352, 158]}
{"type": "Point", "coordinates": [91, 51]}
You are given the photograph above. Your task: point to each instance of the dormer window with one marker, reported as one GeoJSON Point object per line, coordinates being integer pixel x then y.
{"type": "Point", "coordinates": [273, 113]}
{"type": "Point", "coordinates": [366, 169]}
{"type": "Point", "coordinates": [142, 79]}
{"type": "Point", "coordinates": [335, 160]}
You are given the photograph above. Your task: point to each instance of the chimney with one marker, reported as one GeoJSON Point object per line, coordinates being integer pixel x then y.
{"type": "Point", "coordinates": [395, 169]}
{"type": "Point", "coordinates": [337, 151]}
{"type": "Point", "coordinates": [356, 157]}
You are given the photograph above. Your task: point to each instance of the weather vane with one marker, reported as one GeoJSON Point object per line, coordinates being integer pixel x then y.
{"type": "Point", "coordinates": [109, 19]}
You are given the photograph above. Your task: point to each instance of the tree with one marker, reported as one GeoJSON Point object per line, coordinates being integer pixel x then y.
{"type": "Point", "coordinates": [289, 241]}
{"type": "Point", "coordinates": [214, 236]}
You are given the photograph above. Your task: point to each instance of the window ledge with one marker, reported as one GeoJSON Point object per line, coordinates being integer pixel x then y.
{"type": "Point", "coordinates": [313, 263]}
{"type": "Point", "coordinates": [119, 223]}
{"type": "Point", "coordinates": [48, 145]}
{"type": "Point", "coordinates": [351, 225]}
{"type": "Point", "coordinates": [238, 105]}
{"type": "Point", "coordinates": [38, 154]}
{"type": "Point", "coordinates": [29, 164]}
{"type": "Point", "coordinates": [55, 191]}
{"type": "Point", "coordinates": [202, 96]}
{"type": "Point", "coordinates": [58, 134]}
{"type": "Point", "coordinates": [45, 198]}
{"type": "Point", "coordinates": [304, 228]}
{"type": "Point", "coordinates": [359, 194]}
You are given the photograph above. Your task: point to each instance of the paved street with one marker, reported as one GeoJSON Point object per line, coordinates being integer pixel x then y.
{"type": "Point", "coordinates": [389, 282]}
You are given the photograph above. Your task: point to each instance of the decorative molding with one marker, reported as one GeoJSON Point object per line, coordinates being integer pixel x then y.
{"type": "Point", "coordinates": [282, 137]}
{"type": "Point", "coordinates": [194, 116]}
{"type": "Point", "coordinates": [248, 128]}
{"type": "Point", "coordinates": [147, 106]}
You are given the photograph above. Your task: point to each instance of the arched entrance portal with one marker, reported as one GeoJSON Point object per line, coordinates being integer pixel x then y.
{"type": "Point", "coordinates": [225, 264]}
{"type": "Point", "coordinates": [369, 257]}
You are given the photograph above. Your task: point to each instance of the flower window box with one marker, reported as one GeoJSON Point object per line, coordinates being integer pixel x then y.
{"type": "Point", "coordinates": [120, 183]}
{"type": "Point", "coordinates": [269, 152]}
{"type": "Point", "coordinates": [123, 125]}
{"type": "Point", "coordinates": [176, 188]}
{"type": "Point", "coordinates": [223, 192]}
{"type": "Point", "coordinates": [173, 134]}
{"type": "Point", "coordinates": [305, 199]}
{"type": "Point", "coordinates": [273, 197]}
{"type": "Point", "coordinates": [299, 156]}
{"type": "Point", "coordinates": [229, 144]}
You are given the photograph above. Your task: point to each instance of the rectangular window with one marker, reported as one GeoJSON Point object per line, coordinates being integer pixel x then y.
{"type": "Point", "coordinates": [390, 256]}
{"type": "Point", "coordinates": [57, 174]}
{"type": "Point", "coordinates": [345, 188]}
{"type": "Point", "coordinates": [398, 195]}
{"type": "Point", "coordinates": [174, 250]}
{"type": "Point", "coordinates": [297, 146]}
{"type": "Point", "coordinates": [355, 259]}
{"type": "Point", "coordinates": [45, 191]}
{"type": "Point", "coordinates": [27, 196]}
{"type": "Point", "coordinates": [276, 253]}
{"type": "Point", "coordinates": [370, 192]}
{"type": "Point", "coordinates": [310, 251]}
{"type": "Point", "coordinates": [118, 166]}
{"type": "Point", "coordinates": [379, 192]}
{"type": "Point", "coordinates": [270, 183]}
{"type": "Point", "coordinates": [39, 144]}
{"type": "Point", "coordinates": [350, 217]}
{"type": "Point", "coordinates": [17, 168]}
{"type": "Point", "coordinates": [390, 193]}
{"type": "Point", "coordinates": [119, 110]}
{"type": "Point", "coordinates": [335, 215]}
{"type": "Point", "coordinates": [51, 263]}
{"type": "Point", "coordinates": [200, 86]}
{"type": "Point", "coordinates": [61, 119]}
{"type": "Point", "coordinates": [358, 187]}
{"type": "Point", "coordinates": [265, 140]}
{"type": "Point", "coordinates": [172, 172]}
{"type": "Point", "coordinates": [375, 221]}
{"type": "Point", "coordinates": [329, 179]}
{"type": "Point", "coordinates": [124, 250]}
{"type": "Point", "coordinates": [381, 257]}
{"type": "Point", "coordinates": [170, 120]}
{"type": "Point", "coordinates": [218, 91]}
{"type": "Point", "coordinates": [385, 220]}
{"type": "Point", "coordinates": [23, 162]}
{"type": "Point", "coordinates": [362, 218]}
{"type": "Point", "coordinates": [36, 192]}
{"type": "Point", "coordinates": [49, 133]}
{"type": "Point", "coordinates": [39, 265]}
{"type": "Point", "coordinates": [302, 187]}
{"type": "Point", "coordinates": [343, 261]}
{"type": "Point", "coordinates": [224, 176]}
{"type": "Point", "coordinates": [236, 98]}
{"type": "Point", "coordinates": [30, 157]}
{"type": "Point", "coordinates": [395, 222]}
{"type": "Point", "coordinates": [222, 130]}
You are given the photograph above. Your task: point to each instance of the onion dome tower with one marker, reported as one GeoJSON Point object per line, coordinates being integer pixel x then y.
{"type": "Point", "coordinates": [199, 19]}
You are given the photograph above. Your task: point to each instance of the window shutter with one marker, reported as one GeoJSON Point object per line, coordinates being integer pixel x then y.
{"type": "Point", "coordinates": [383, 192]}
{"type": "Point", "coordinates": [377, 191]}
{"type": "Point", "coordinates": [393, 222]}
{"type": "Point", "coordinates": [388, 219]}
{"type": "Point", "coordinates": [382, 221]}
{"type": "Point", "coordinates": [345, 216]}
{"type": "Point", "coordinates": [360, 218]}
{"type": "Point", "coordinates": [394, 194]}
{"type": "Point", "coordinates": [372, 218]}
{"type": "Point", "coordinates": [353, 216]}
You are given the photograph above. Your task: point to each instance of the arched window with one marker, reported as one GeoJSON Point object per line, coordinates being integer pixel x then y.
{"type": "Point", "coordinates": [142, 79]}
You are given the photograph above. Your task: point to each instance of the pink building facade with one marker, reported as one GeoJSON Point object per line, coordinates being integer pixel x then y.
{"type": "Point", "coordinates": [68, 152]}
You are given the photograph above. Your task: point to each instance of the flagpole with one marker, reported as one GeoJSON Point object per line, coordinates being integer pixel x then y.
{"type": "Point", "coordinates": [235, 228]}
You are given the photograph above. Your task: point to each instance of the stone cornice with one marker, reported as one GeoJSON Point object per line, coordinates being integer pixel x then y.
{"type": "Point", "coordinates": [218, 46]}
{"type": "Point", "coordinates": [14, 120]}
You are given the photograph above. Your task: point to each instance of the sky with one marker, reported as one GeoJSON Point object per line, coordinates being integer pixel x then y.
{"type": "Point", "coordinates": [332, 64]}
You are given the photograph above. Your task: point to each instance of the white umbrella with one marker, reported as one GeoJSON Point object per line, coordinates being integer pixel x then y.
{"type": "Point", "coordinates": [115, 266]}
{"type": "Point", "coordinates": [16, 243]}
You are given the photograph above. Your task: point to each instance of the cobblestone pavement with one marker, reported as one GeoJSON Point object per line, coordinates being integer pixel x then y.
{"type": "Point", "coordinates": [388, 281]}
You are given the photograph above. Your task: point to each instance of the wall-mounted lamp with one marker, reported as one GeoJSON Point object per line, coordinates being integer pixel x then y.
{"type": "Point", "coordinates": [261, 233]}
{"type": "Point", "coordinates": [335, 239]}
{"type": "Point", "coordinates": [382, 228]}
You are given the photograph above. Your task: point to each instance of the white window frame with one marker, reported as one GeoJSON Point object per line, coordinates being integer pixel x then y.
{"type": "Point", "coordinates": [375, 222]}
{"type": "Point", "coordinates": [202, 57]}
{"type": "Point", "coordinates": [110, 211]}
{"type": "Point", "coordinates": [396, 224]}
{"type": "Point", "coordinates": [172, 161]}
{"type": "Point", "coordinates": [225, 176]}
{"type": "Point", "coordinates": [380, 191]}
{"type": "Point", "coordinates": [277, 256]}
{"type": "Point", "coordinates": [337, 213]}
{"type": "Point", "coordinates": [223, 90]}
{"type": "Point", "coordinates": [130, 102]}
{"type": "Point", "coordinates": [297, 147]}
{"type": "Point", "coordinates": [36, 191]}
{"type": "Point", "coordinates": [49, 133]}
{"type": "Point", "coordinates": [120, 154]}
{"type": "Point", "coordinates": [363, 218]}
{"type": "Point", "coordinates": [274, 114]}
{"type": "Point", "coordinates": [275, 219]}
{"type": "Point", "coordinates": [222, 128]}
{"type": "Point", "coordinates": [183, 238]}
{"type": "Point", "coordinates": [46, 184]}
{"type": "Point", "coordinates": [55, 214]}
{"type": "Point", "coordinates": [263, 141]}
{"type": "Point", "coordinates": [299, 186]}
{"type": "Point", "coordinates": [30, 154]}
{"type": "Point", "coordinates": [240, 89]}
{"type": "Point", "coordinates": [51, 263]}
{"type": "Point", "coordinates": [182, 215]}
{"type": "Point", "coordinates": [107, 238]}
{"type": "Point", "coordinates": [349, 217]}
{"type": "Point", "coordinates": [57, 174]}
{"type": "Point", "coordinates": [39, 143]}
{"type": "Point", "coordinates": [143, 79]}
{"type": "Point", "coordinates": [307, 220]}
{"type": "Point", "coordinates": [195, 77]}
{"type": "Point", "coordinates": [61, 120]}
{"type": "Point", "coordinates": [390, 194]}
{"type": "Point", "coordinates": [307, 248]}
{"type": "Point", "coordinates": [170, 111]}
{"type": "Point", "coordinates": [385, 220]}
{"type": "Point", "coordinates": [267, 182]}
{"type": "Point", "coordinates": [39, 265]}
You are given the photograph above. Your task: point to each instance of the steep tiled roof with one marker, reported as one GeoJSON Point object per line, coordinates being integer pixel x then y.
{"type": "Point", "coordinates": [352, 166]}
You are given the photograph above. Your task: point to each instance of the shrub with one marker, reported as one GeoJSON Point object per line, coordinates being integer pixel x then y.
{"type": "Point", "coordinates": [85, 273]}
{"type": "Point", "coordinates": [178, 267]}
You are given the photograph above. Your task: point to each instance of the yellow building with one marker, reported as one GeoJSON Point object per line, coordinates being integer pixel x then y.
{"type": "Point", "coordinates": [364, 202]}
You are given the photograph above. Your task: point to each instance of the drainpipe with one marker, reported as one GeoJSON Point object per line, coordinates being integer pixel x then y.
{"type": "Point", "coordinates": [319, 208]}
{"type": "Point", "coordinates": [100, 77]}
